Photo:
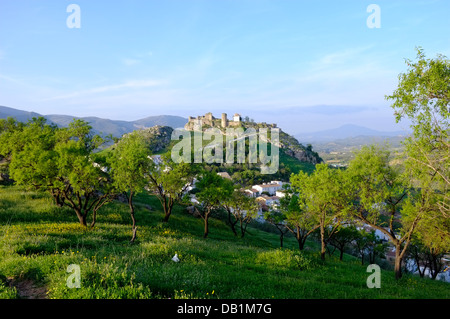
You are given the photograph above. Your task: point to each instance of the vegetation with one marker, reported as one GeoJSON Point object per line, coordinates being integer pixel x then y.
{"type": "Point", "coordinates": [61, 171]}
{"type": "Point", "coordinates": [38, 240]}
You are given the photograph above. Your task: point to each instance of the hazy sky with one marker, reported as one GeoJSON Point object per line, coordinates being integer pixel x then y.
{"type": "Point", "coordinates": [306, 65]}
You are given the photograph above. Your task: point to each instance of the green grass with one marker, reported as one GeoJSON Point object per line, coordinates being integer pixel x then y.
{"type": "Point", "coordinates": [38, 241]}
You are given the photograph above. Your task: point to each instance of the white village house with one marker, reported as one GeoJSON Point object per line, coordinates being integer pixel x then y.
{"type": "Point", "coordinates": [271, 188]}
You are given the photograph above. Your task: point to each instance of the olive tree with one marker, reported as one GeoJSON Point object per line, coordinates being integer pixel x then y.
{"type": "Point", "coordinates": [130, 164]}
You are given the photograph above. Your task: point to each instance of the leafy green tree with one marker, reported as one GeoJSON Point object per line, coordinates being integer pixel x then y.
{"type": "Point", "coordinates": [32, 153]}
{"type": "Point", "coordinates": [170, 181]}
{"type": "Point", "coordinates": [431, 242]}
{"type": "Point", "coordinates": [322, 196]}
{"type": "Point", "coordinates": [383, 200]}
{"type": "Point", "coordinates": [343, 237]}
{"type": "Point", "coordinates": [9, 137]}
{"type": "Point", "coordinates": [368, 243]}
{"type": "Point", "coordinates": [278, 219]}
{"type": "Point", "coordinates": [130, 165]}
{"type": "Point", "coordinates": [423, 97]}
{"type": "Point", "coordinates": [213, 191]}
{"type": "Point", "coordinates": [61, 161]}
{"type": "Point", "coordinates": [296, 218]}
{"type": "Point", "coordinates": [84, 185]}
{"type": "Point", "coordinates": [10, 141]}
{"type": "Point", "coordinates": [243, 208]}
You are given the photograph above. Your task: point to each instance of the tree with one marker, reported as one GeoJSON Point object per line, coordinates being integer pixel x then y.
{"type": "Point", "coordinates": [83, 184]}
{"type": "Point", "coordinates": [9, 139]}
{"type": "Point", "coordinates": [383, 199]}
{"type": "Point", "coordinates": [31, 150]}
{"type": "Point", "coordinates": [343, 236]}
{"type": "Point", "coordinates": [130, 165]}
{"type": "Point", "coordinates": [278, 219]}
{"type": "Point", "coordinates": [368, 243]}
{"type": "Point", "coordinates": [213, 191]}
{"type": "Point", "coordinates": [322, 195]}
{"type": "Point", "coordinates": [243, 208]}
{"type": "Point", "coordinates": [170, 181]}
{"type": "Point", "coordinates": [423, 97]}
{"type": "Point", "coordinates": [430, 242]}
{"type": "Point", "coordinates": [61, 161]}
{"type": "Point", "coordinates": [297, 220]}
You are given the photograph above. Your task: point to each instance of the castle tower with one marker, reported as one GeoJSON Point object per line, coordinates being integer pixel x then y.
{"type": "Point", "coordinates": [209, 117]}
{"type": "Point", "coordinates": [224, 120]}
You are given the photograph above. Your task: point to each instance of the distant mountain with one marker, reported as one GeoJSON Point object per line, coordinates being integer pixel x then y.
{"type": "Point", "coordinates": [21, 116]}
{"type": "Point", "coordinates": [345, 131]}
{"type": "Point", "coordinates": [99, 125]}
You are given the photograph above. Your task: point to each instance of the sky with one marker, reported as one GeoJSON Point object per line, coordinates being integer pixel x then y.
{"type": "Point", "coordinates": [305, 65]}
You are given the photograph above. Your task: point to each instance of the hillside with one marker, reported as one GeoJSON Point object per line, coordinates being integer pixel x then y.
{"type": "Point", "coordinates": [38, 241]}
{"type": "Point", "coordinates": [287, 143]}
{"type": "Point", "coordinates": [341, 151]}
{"type": "Point", "coordinates": [337, 146]}
{"type": "Point", "coordinates": [343, 132]}
{"type": "Point", "coordinates": [101, 126]}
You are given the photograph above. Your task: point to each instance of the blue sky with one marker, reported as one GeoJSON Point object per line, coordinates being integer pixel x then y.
{"type": "Point", "coordinates": [306, 65]}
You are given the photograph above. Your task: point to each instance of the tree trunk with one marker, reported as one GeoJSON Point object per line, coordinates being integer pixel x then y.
{"type": "Point", "coordinates": [232, 224]}
{"type": "Point", "coordinates": [398, 263]}
{"type": "Point", "coordinates": [323, 249]}
{"type": "Point", "coordinates": [166, 217]}
{"type": "Point", "coordinates": [243, 229]}
{"type": "Point", "coordinates": [167, 204]}
{"type": "Point", "coordinates": [81, 218]}
{"type": "Point", "coordinates": [281, 234]}
{"type": "Point", "coordinates": [133, 219]}
{"type": "Point", "coordinates": [300, 239]}
{"type": "Point", "coordinates": [206, 225]}
{"type": "Point", "coordinates": [94, 218]}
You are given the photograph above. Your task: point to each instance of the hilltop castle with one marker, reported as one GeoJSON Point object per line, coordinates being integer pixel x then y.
{"type": "Point", "coordinates": [209, 120]}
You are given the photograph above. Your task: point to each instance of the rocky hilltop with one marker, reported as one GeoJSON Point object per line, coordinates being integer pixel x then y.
{"type": "Point", "coordinates": [158, 137]}
{"type": "Point", "coordinates": [289, 144]}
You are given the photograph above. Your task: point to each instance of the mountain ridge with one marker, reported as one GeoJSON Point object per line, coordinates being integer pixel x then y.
{"type": "Point", "coordinates": [100, 125]}
{"type": "Point", "coordinates": [345, 131]}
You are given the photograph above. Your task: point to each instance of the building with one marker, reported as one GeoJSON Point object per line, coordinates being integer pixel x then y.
{"type": "Point", "coordinates": [252, 192]}
{"type": "Point", "coordinates": [280, 194]}
{"type": "Point", "coordinates": [268, 202]}
{"type": "Point", "coordinates": [209, 120]}
{"type": "Point", "coordinates": [224, 175]}
{"type": "Point", "coordinates": [270, 188]}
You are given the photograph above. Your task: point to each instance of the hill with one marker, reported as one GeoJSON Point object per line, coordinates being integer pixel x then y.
{"type": "Point", "coordinates": [21, 116]}
{"type": "Point", "coordinates": [287, 143]}
{"type": "Point", "coordinates": [341, 151]}
{"type": "Point", "coordinates": [38, 241]}
{"type": "Point", "coordinates": [102, 126]}
{"type": "Point", "coordinates": [345, 131]}
{"type": "Point", "coordinates": [336, 146]}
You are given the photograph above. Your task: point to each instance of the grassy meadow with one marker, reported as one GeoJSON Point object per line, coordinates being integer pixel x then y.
{"type": "Point", "coordinates": [38, 241]}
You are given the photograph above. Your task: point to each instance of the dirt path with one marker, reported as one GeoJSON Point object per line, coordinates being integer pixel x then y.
{"type": "Point", "coordinates": [28, 289]}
